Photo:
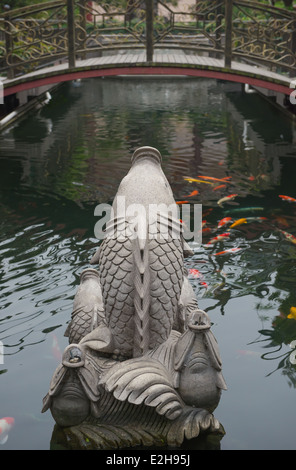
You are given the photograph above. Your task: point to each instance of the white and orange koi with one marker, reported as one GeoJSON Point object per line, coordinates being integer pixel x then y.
{"type": "Point", "coordinates": [5, 427]}
{"type": "Point", "coordinates": [287, 198]}
{"type": "Point", "coordinates": [224, 221]}
{"type": "Point", "coordinates": [195, 272]}
{"type": "Point", "coordinates": [289, 236]}
{"type": "Point", "coordinates": [218, 238]}
{"type": "Point", "coordinates": [226, 199]}
{"type": "Point", "coordinates": [230, 250]}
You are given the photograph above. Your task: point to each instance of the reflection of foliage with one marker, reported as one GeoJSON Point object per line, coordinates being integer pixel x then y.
{"type": "Point", "coordinates": [283, 332]}
{"type": "Point", "coordinates": [22, 3]}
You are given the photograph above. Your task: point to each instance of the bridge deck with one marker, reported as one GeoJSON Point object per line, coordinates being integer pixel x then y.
{"type": "Point", "coordinates": [164, 63]}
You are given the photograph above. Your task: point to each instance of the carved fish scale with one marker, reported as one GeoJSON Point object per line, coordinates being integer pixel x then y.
{"type": "Point", "coordinates": [117, 280]}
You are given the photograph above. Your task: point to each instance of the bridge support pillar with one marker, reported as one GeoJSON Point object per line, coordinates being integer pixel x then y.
{"type": "Point", "coordinates": [149, 30]}
{"type": "Point", "coordinates": [71, 33]}
{"type": "Point", "coordinates": [228, 33]}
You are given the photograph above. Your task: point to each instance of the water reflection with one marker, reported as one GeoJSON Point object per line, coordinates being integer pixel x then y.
{"type": "Point", "coordinates": [59, 163]}
{"type": "Point", "coordinates": [67, 439]}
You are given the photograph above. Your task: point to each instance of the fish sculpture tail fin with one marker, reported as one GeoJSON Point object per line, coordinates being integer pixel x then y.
{"type": "Point", "coordinates": [141, 294]}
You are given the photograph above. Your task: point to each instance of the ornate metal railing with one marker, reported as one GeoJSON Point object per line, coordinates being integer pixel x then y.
{"type": "Point", "coordinates": [69, 29]}
{"type": "Point", "coordinates": [265, 33]}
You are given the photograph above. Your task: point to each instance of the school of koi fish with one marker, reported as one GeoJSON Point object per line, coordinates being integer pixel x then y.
{"type": "Point", "coordinates": [230, 223]}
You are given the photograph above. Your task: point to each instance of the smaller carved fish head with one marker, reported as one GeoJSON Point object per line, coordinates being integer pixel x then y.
{"type": "Point", "coordinates": [73, 356]}
{"type": "Point", "coordinates": [199, 364]}
{"type": "Point", "coordinates": [198, 381]}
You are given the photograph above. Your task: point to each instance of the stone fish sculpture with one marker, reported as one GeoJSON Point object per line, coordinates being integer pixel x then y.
{"type": "Point", "coordinates": [142, 366]}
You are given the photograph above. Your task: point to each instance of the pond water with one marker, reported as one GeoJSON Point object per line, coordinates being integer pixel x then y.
{"type": "Point", "coordinates": [59, 162]}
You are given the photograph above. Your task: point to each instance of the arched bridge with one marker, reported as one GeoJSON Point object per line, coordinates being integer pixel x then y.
{"type": "Point", "coordinates": [236, 40]}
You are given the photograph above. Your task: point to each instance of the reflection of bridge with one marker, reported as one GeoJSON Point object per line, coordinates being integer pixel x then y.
{"type": "Point", "coordinates": [60, 40]}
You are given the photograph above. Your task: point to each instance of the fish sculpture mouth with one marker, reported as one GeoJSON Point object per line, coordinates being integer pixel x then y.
{"type": "Point", "coordinates": [146, 152]}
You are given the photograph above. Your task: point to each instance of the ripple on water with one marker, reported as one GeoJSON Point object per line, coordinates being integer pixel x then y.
{"type": "Point", "coordinates": [37, 283]}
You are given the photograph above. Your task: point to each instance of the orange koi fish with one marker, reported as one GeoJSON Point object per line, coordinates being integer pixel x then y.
{"type": "Point", "coordinates": [212, 178]}
{"type": "Point", "coordinates": [182, 202]}
{"type": "Point", "coordinates": [202, 283]}
{"type": "Point", "coordinates": [231, 250]}
{"type": "Point", "coordinates": [289, 236]}
{"type": "Point", "coordinates": [238, 222]}
{"type": "Point", "coordinates": [195, 272]}
{"type": "Point", "coordinates": [207, 212]}
{"type": "Point", "coordinates": [218, 238]}
{"type": "Point", "coordinates": [224, 221]}
{"type": "Point", "coordinates": [194, 193]}
{"type": "Point", "coordinates": [226, 199]}
{"type": "Point", "coordinates": [221, 186]}
{"type": "Point", "coordinates": [206, 230]}
{"type": "Point", "coordinates": [287, 198]}
{"type": "Point", "coordinates": [226, 178]}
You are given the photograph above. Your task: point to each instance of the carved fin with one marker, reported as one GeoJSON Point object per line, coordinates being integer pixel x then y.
{"type": "Point", "coordinates": [187, 250]}
{"type": "Point", "coordinates": [182, 347]}
{"type": "Point", "coordinates": [141, 293]}
{"type": "Point", "coordinates": [213, 349]}
{"type": "Point", "coordinates": [143, 380]}
{"type": "Point", "coordinates": [99, 339]}
{"type": "Point", "coordinates": [95, 258]}
{"type": "Point", "coordinates": [55, 386]}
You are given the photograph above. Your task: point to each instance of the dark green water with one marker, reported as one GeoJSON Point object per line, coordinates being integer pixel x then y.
{"type": "Point", "coordinates": [60, 162]}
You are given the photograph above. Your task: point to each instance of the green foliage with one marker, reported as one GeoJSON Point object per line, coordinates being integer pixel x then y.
{"type": "Point", "coordinates": [19, 3]}
{"type": "Point", "coordinates": [23, 3]}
